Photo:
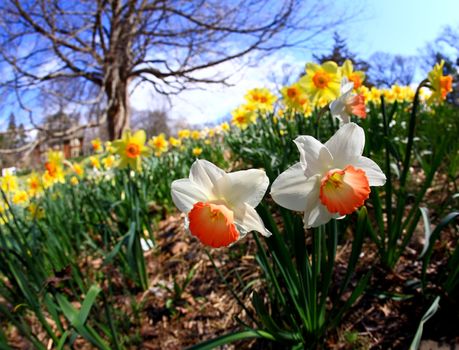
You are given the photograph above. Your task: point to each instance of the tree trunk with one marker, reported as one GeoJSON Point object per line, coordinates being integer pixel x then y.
{"type": "Point", "coordinates": [118, 113]}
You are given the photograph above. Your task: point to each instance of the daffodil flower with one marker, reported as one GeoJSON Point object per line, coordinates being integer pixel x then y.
{"type": "Point", "coordinates": [331, 180]}
{"type": "Point", "coordinates": [321, 82]}
{"type": "Point", "coordinates": [348, 103]}
{"type": "Point", "coordinates": [357, 77]}
{"type": "Point", "coordinates": [131, 148]}
{"type": "Point", "coordinates": [442, 85]}
{"type": "Point", "coordinates": [220, 206]}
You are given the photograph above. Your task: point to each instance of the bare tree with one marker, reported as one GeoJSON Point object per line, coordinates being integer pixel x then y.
{"type": "Point", "coordinates": [387, 69]}
{"type": "Point", "coordinates": [153, 122]}
{"type": "Point", "coordinates": [106, 48]}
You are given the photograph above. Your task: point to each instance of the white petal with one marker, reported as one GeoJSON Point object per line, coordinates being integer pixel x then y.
{"type": "Point", "coordinates": [337, 107]}
{"type": "Point", "coordinates": [245, 186]}
{"type": "Point", "coordinates": [312, 199]}
{"type": "Point", "coordinates": [186, 193]}
{"type": "Point", "coordinates": [374, 173]}
{"type": "Point", "coordinates": [291, 187]}
{"type": "Point", "coordinates": [314, 156]}
{"type": "Point", "coordinates": [247, 219]}
{"type": "Point", "coordinates": [346, 145]}
{"type": "Point", "coordinates": [338, 110]}
{"type": "Point", "coordinates": [346, 87]}
{"type": "Point", "coordinates": [205, 175]}
{"type": "Point", "coordinates": [318, 216]}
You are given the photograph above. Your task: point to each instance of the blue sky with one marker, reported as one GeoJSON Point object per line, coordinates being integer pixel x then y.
{"type": "Point", "coordinates": [394, 26]}
{"type": "Point", "coordinates": [401, 26]}
{"type": "Point", "coordinates": [398, 27]}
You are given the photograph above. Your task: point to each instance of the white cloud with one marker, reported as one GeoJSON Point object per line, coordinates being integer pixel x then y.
{"type": "Point", "coordinates": [202, 106]}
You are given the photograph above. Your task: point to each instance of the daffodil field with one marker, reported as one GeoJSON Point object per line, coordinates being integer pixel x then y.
{"type": "Point", "coordinates": [332, 183]}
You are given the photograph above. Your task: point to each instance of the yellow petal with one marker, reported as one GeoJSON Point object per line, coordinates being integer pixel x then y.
{"type": "Point", "coordinates": [139, 137]}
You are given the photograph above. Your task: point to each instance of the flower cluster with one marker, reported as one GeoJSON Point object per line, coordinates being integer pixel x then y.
{"type": "Point", "coordinates": [330, 181]}
{"type": "Point", "coordinates": [340, 89]}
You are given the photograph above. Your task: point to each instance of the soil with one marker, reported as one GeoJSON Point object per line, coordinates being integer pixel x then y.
{"type": "Point", "coordinates": [386, 317]}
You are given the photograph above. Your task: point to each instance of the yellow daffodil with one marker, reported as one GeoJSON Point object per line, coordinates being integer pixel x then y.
{"type": "Point", "coordinates": [55, 157]}
{"type": "Point", "coordinates": [322, 82]}
{"type": "Point", "coordinates": [34, 184]}
{"type": "Point", "coordinates": [175, 142]}
{"type": "Point", "coordinates": [408, 93]}
{"type": "Point", "coordinates": [159, 144]}
{"type": "Point", "coordinates": [8, 182]}
{"type": "Point", "coordinates": [97, 145]}
{"type": "Point", "coordinates": [94, 161]}
{"type": "Point", "coordinates": [74, 181]}
{"type": "Point", "coordinates": [52, 176]}
{"type": "Point", "coordinates": [20, 197]}
{"type": "Point", "coordinates": [375, 95]}
{"type": "Point", "coordinates": [78, 169]}
{"type": "Point", "coordinates": [108, 161]}
{"type": "Point", "coordinates": [357, 77]}
{"type": "Point", "coordinates": [389, 95]}
{"type": "Point", "coordinates": [398, 92]}
{"type": "Point", "coordinates": [197, 151]}
{"type": "Point", "coordinates": [225, 127]}
{"type": "Point", "coordinates": [195, 134]}
{"type": "Point", "coordinates": [131, 148]}
{"type": "Point", "coordinates": [294, 96]}
{"type": "Point", "coordinates": [243, 116]}
{"type": "Point", "coordinates": [109, 147]}
{"type": "Point", "coordinates": [183, 134]}
{"type": "Point", "coordinates": [54, 169]}
{"type": "Point", "coordinates": [364, 91]}
{"type": "Point", "coordinates": [262, 99]}
{"type": "Point", "coordinates": [442, 85]}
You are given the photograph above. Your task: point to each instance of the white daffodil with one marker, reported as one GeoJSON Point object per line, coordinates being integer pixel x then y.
{"type": "Point", "coordinates": [331, 180]}
{"type": "Point", "coordinates": [220, 206]}
{"type": "Point", "coordinates": [348, 103]}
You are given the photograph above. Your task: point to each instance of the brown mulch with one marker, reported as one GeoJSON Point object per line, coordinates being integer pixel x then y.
{"type": "Point", "coordinates": [208, 308]}
{"type": "Point", "coordinates": [386, 317]}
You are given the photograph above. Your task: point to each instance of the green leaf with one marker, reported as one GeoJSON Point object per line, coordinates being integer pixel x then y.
{"type": "Point", "coordinates": [231, 337]}
{"type": "Point", "coordinates": [356, 246]}
{"type": "Point", "coordinates": [87, 303]}
{"type": "Point", "coordinates": [69, 311]}
{"type": "Point", "coordinates": [427, 230]}
{"type": "Point", "coordinates": [433, 237]}
{"type": "Point", "coordinates": [418, 336]}
{"type": "Point", "coordinates": [61, 343]}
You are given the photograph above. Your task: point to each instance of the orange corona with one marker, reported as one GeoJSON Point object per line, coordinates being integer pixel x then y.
{"type": "Point", "coordinates": [321, 80]}
{"type": "Point", "coordinates": [343, 191]}
{"type": "Point", "coordinates": [213, 224]}
{"type": "Point", "coordinates": [446, 85]}
{"type": "Point", "coordinates": [132, 150]}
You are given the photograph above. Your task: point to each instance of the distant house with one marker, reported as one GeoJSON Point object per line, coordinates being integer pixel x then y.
{"type": "Point", "coordinates": [71, 146]}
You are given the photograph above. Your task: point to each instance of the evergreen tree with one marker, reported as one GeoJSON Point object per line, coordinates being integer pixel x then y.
{"type": "Point", "coordinates": [340, 53]}
{"type": "Point", "coordinates": [12, 122]}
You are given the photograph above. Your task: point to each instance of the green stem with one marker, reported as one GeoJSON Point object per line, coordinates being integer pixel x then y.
{"type": "Point", "coordinates": [396, 231]}
{"type": "Point", "coordinates": [388, 169]}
